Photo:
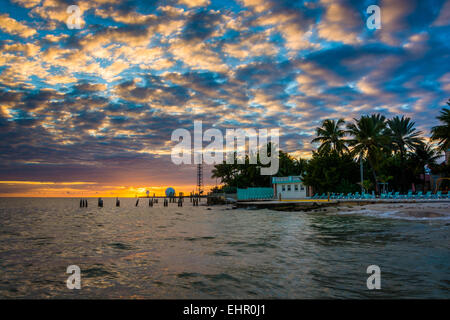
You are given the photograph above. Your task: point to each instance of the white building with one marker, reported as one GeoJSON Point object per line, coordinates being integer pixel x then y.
{"type": "Point", "coordinates": [290, 187]}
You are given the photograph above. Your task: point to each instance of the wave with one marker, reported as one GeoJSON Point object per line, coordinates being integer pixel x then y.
{"type": "Point", "coordinates": [417, 215]}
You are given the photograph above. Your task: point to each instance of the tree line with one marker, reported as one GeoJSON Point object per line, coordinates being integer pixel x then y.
{"type": "Point", "coordinates": [392, 152]}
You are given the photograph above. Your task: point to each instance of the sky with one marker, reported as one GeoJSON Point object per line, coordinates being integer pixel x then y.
{"type": "Point", "coordinates": [90, 111]}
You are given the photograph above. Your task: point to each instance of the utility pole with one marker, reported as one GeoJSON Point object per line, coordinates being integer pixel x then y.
{"type": "Point", "coordinates": [361, 172]}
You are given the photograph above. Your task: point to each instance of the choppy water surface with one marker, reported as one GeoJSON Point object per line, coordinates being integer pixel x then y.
{"type": "Point", "coordinates": [192, 252]}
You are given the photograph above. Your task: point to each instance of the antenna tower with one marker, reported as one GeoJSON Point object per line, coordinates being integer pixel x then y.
{"type": "Point", "coordinates": [200, 177]}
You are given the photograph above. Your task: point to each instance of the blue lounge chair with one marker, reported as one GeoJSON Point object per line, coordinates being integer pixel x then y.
{"type": "Point", "coordinates": [437, 195]}
{"type": "Point", "coordinates": [427, 195]}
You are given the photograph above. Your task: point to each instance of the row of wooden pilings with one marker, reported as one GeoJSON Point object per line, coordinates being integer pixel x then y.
{"type": "Point", "coordinates": [194, 200]}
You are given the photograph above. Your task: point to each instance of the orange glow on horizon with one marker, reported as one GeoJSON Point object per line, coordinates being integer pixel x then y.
{"type": "Point", "coordinates": [44, 183]}
{"type": "Point", "coordinates": [51, 190]}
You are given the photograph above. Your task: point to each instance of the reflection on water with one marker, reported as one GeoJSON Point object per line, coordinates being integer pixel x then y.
{"type": "Point", "coordinates": [192, 252]}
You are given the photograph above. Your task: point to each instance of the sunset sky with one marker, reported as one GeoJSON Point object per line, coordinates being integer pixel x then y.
{"type": "Point", "coordinates": [91, 111]}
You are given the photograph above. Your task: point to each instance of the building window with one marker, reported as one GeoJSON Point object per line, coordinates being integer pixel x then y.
{"type": "Point", "coordinates": [296, 187]}
{"type": "Point", "coordinates": [289, 187]}
{"type": "Point", "coordinates": [283, 187]}
{"type": "Point", "coordinates": [302, 187]}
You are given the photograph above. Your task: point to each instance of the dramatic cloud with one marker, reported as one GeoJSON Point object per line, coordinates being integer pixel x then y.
{"type": "Point", "coordinates": [9, 25]}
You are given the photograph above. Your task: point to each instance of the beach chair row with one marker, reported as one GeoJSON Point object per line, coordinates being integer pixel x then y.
{"type": "Point", "coordinates": [344, 196]}
{"type": "Point", "coordinates": [411, 195]}
{"type": "Point", "coordinates": [390, 195]}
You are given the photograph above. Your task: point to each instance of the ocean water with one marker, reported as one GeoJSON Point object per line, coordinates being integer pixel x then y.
{"type": "Point", "coordinates": [193, 252]}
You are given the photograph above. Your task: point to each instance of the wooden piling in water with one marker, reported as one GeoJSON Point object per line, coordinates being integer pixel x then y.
{"type": "Point", "coordinates": [83, 203]}
{"type": "Point", "coordinates": [137, 202]}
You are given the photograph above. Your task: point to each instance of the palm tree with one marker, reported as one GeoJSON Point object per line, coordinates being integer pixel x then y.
{"type": "Point", "coordinates": [442, 133]}
{"type": "Point", "coordinates": [226, 173]}
{"type": "Point", "coordinates": [404, 137]}
{"type": "Point", "coordinates": [287, 165]}
{"type": "Point", "coordinates": [300, 166]}
{"type": "Point", "coordinates": [425, 154]}
{"type": "Point", "coordinates": [368, 139]}
{"type": "Point", "coordinates": [403, 134]}
{"type": "Point", "coordinates": [330, 135]}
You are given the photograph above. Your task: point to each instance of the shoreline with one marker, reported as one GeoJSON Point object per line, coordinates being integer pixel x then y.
{"type": "Point", "coordinates": [396, 210]}
{"type": "Point", "coordinates": [400, 209]}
